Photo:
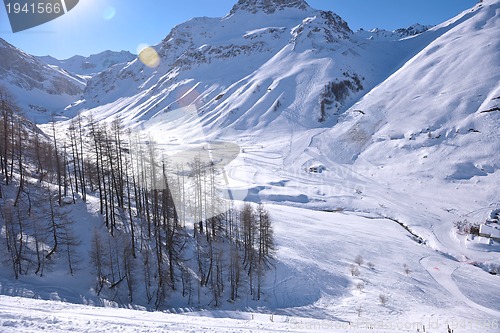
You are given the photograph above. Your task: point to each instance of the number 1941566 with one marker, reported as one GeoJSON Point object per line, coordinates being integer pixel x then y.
{"type": "Point", "coordinates": [38, 8]}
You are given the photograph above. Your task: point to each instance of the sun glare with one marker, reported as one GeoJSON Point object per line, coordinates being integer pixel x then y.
{"type": "Point", "coordinates": [149, 57]}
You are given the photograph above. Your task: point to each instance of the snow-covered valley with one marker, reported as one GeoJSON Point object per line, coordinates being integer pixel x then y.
{"type": "Point", "coordinates": [312, 289]}
{"type": "Point", "coordinates": [375, 154]}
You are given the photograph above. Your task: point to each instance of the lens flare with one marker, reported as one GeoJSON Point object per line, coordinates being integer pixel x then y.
{"type": "Point", "coordinates": [109, 13]}
{"type": "Point", "coordinates": [149, 57]}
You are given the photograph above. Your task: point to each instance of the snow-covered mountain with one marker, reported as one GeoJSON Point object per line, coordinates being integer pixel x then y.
{"type": "Point", "coordinates": [381, 107]}
{"type": "Point", "coordinates": [382, 34]}
{"type": "Point", "coordinates": [40, 89]}
{"type": "Point", "coordinates": [264, 60]}
{"type": "Point", "coordinates": [281, 66]}
{"type": "Point", "coordinates": [383, 146]}
{"type": "Point", "coordinates": [385, 107]}
{"type": "Point", "coordinates": [267, 6]}
{"type": "Point", "coordinates": [93, 64]}
{"type": "Point", "coordinates": [430, 130]}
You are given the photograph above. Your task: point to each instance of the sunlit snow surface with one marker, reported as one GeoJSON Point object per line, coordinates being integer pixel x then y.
{"type": "Point", "coordinates": [417, 149]}
{"type": "Point", "coordinates": [312, 280]}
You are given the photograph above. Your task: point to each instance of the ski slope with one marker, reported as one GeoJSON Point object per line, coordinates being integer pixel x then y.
{"type": "Point", "coordinates": [312, 285]}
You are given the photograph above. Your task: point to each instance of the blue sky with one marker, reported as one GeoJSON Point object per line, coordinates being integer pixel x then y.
{"type": "Point", "coordinates": [97, 25]}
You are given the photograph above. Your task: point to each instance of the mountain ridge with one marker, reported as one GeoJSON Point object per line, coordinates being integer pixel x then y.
{"type": "Point", "coordinates": [382, 34]}
{"type": "Point", "coordinates": [91, 65]}
{"type": "Point", "coordinates": [40, 89]}
{"type": "Point", "coordinates": [204, 42]}
{"type": "Point", "coordinates": [268, 6]}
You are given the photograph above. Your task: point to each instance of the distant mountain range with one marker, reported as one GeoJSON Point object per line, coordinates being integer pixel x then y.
{"type": "Point", "coordinates": [395, 35]}
{"type": "Point", "coordinates": [45, 86]}
{"type": "Point", "coordinates": [91, 65]}
{"type": "Point", "coordinates": [39, 88]}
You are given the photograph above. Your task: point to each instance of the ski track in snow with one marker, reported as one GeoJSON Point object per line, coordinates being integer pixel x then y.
{"type": "Point", "coordinates": [441, 270]}
{"type": "Point", "coordinates": [21, 315]}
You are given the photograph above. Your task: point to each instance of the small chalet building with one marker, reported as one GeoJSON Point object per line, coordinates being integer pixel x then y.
{"type": "Point", "coordinates": [316, 168]}
{"type": "Point", "coordinates": [490, 231]}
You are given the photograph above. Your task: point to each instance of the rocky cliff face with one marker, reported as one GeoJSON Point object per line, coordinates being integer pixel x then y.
{"type": "Point", "coordinates": [268, 6]}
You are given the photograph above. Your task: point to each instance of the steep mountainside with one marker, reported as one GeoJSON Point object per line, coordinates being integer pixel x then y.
{"type": "Point", "coordinates": [282, 67]}
{"type": "Point", "coordinates": [431, 130]}
{"type": "Point", "coordinates": [435, 110]}
{"type": "Point", "coordinates": [265, 61]}
{"type": "Point", "coordinates": [40, 89]}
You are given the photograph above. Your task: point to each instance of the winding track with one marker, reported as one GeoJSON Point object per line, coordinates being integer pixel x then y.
{"type": "Point", "coordinates": [441, 270]}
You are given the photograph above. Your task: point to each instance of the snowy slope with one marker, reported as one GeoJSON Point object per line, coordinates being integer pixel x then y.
{"type": "Point", "coordinates": [33, 316]}
{"type": "Point", "coordinates": [91, 65]}
{"type": "Point", "coordinates": [312, 285]}
{"type": "Point", "coordinates": [418, 146]}
{"type": "Point", "coordinates": [237, 69]}
{"type": "Point", "coordinates": [412, 152]}
{"type": "Point", "coordinates": [424, 131]}
{"type": "Point", "coordinates": [39, 88]}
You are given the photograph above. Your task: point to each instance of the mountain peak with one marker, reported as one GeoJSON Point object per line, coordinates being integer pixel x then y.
{"type": "Point", "coordinates": [267, 6]}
